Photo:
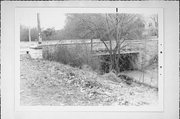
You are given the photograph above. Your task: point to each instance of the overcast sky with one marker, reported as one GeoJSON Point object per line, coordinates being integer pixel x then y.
{"type": "Point", "coordinates": [52, 17]}
{"type": "Point", "coordinates": [48, 18]}
{"type": "Point", "coordinates": [55, 17]}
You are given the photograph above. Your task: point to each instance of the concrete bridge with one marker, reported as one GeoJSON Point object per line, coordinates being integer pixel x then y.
{"type": "Point", "coordinates": [97, 47]}
{"type": "Point", "coordinates": [136, 47]}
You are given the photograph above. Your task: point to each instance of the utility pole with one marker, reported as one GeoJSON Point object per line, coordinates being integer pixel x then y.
{"type": "Point", "coordinates": [117, 38]}
{"type": "Point", "coordinates": [39, 29]}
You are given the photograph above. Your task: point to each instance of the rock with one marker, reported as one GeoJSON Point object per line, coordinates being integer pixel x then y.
{"type": "Point", "coordinates": [128, 80]}
{"type": "Point", "coordinates": [71, 74]}
{"type": "Point", "coordinates": [86, 67]}
{"type": "Point", "coordinates": [112, 76]}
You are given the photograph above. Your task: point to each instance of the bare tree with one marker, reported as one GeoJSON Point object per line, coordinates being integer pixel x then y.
{"type": "Point", "coordinates": [112, 29]}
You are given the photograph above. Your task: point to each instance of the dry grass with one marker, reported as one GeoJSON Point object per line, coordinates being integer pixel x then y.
{"type": "Point", "coordinates": [51, 83]}
{"type": "Point", "coordinates": [76, 56]}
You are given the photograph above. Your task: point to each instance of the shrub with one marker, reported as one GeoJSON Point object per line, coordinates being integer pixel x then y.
{"type": "Point", "coordinates": [73, 55]}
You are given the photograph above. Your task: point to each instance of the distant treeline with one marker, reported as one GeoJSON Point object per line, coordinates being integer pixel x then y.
{"type": "Point", "coordinates": [86, 26]}
{"type": "Point", "coordinates": [47, 34]}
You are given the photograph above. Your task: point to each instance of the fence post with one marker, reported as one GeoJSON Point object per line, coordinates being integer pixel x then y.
{"type": "Point", "coordinates": [91, 45]}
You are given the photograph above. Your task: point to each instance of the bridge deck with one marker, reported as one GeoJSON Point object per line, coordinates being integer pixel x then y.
{"type": "Point", "coordinates": [98, 48]}
{"type": "Point", "coordinates": [106, 53]}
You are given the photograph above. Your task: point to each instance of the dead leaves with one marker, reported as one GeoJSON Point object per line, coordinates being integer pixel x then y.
{"type": "Point", "coordinates": [52, 83]}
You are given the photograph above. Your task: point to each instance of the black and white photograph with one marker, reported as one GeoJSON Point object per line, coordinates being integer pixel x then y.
{"type": "Point", "coordinates": [89, 60]}
{"type": "Point", "coordinates": [89, 57]}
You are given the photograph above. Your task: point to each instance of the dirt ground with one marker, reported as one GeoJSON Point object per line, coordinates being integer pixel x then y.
{"type": "Point", "coordinates": [51, 83]}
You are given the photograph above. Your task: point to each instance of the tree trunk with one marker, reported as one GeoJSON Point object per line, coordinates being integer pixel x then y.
{"type": "Point", "coordinates": [110, 45]}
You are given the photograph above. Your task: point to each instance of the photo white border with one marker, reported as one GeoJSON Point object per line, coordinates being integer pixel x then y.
{"type": "Point", "coordinates": [168, 10]}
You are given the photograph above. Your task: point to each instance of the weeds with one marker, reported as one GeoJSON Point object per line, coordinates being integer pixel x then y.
{"type": "Point", "coordinates": [76, 55]}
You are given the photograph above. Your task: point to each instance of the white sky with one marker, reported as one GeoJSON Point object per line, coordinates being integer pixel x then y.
{"type": "Point", "coordinates": [48, 18]}
{"type": "Point", "coordinates": [55, 17]}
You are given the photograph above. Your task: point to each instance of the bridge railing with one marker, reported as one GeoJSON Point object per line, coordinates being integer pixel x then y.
{"type": "Point", "coordinates": [96, 45]}
{"type": "Point", "coordinates": [126, 46]}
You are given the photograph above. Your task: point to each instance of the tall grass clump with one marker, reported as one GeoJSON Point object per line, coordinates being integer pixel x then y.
{"type": "Point", "coordinates": [74, 55]}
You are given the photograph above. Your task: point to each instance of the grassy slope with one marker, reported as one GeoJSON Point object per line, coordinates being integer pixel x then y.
{"type": "Point", "coordinates": [51, 83]}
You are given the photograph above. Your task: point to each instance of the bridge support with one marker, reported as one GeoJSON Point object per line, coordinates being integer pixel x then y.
{"type": "Point", "coordinates": [36, 52]}
{"type": "Point", "coordinates": [140, 60]}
